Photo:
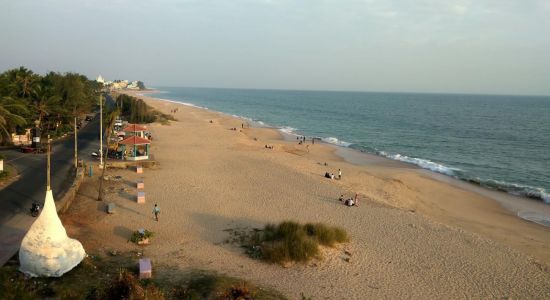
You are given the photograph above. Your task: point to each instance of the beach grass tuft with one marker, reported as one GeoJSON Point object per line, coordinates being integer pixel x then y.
{"type": "Point", "coordinates": [293, 242]}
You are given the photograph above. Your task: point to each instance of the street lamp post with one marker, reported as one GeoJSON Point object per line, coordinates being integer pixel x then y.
{"type": "Point", "coordinates": [101, 131]}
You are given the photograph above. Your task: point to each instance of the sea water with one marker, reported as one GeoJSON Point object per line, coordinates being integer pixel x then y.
{"type": "Point", "coordinates": [500, 142]}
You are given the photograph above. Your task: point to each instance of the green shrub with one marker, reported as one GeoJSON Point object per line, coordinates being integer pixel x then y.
{"type": "Point", "coordinates": [4, 174]}
{"type": "Point", "coordinates": [291, 241]}
{"type": "Point", "coordinates": [127, 286]}
{"type": "Point", "coordinates": [138, 237]}
{"type": "Point", "coordinates": [135, 110]}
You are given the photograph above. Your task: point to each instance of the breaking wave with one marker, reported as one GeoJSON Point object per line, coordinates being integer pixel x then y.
{"type": "Point", "coordinates": [335, 141]}
{"type": "Point", "coordinates": [423, 163]}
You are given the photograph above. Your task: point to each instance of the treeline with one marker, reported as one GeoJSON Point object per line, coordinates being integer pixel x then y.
{"type": "Point", "coordinates": [135, 110]}
{"type": "Point", "coordinates": [51, 101]}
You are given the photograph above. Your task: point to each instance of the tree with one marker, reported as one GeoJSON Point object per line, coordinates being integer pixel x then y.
{"type": "Point", "coordinates": [52, 99]}
{"type": "Point", "coordinates": [109, 129]}
{"type": "Point", "coordinates": [44, 102]}
{"type": "Point", "coordinates": [23, 82]}
{"type": "Point", "coordinates": [74, 97]}
{"type": "Point", "coordinates": [141, 85]}
{"type": "Point", "coordinates": [10, 117]}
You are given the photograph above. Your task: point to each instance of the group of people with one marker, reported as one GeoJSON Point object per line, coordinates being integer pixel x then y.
{"type": "Point", "coordinates": [331, 175]}
{"type": "Point", "coordinates": [268, 147]}
{"type": "Point", "coordinates": [350, 201]}
{"type": "Point", "coordinates": [175, 110]}
{"type": "Point", "coordinates": [302, 140]}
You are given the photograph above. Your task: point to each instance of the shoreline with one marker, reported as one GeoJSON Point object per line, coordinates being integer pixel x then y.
{"type": "Point", "coordinates": [526, 208]}
{"type": "Point", "coordinates": [519, 191]}
{"type": "Point", "coordinates": [475, 209]}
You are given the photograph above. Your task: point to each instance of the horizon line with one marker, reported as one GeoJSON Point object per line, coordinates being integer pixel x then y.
{"type": "Point", "coordinates": [356, 91]}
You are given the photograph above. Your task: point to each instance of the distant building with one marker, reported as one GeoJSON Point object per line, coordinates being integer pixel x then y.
{"type": "Point", "coordinates": [133, 86]}
{"type": "Point", "coordinates": [100, 79]}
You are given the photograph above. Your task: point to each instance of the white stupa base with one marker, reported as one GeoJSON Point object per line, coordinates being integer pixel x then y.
{"type": "Point", "coordinates": [46, 250]}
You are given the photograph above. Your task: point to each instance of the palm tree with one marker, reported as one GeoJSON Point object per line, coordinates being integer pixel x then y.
{"type": "Point", "coordinates": [44, 102]}
{"type": "Point", "coordinates": [109, 129]}
{"type": "Point", "coordinates": [10, 117]}
{"type": "Point", "coordinates": [76, 100]}
{"type": "Point", "coordinates": [23, 82]}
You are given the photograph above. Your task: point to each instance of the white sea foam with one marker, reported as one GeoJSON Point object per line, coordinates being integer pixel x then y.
{"type": "Point", "coordinates": [182, 103]}
{"type": "Point", "coordinates": [423, 163]}
{"type": "Point", "coordinates": [192, 105]}
{"type": "Point", "coordinates": [520, 189]}
{"type": "Point", "coordinates": [335, 141]}
{"type": "Point", "coordinates": [288, 130]}
{"type": "Point", "coordinates": [536, 217]}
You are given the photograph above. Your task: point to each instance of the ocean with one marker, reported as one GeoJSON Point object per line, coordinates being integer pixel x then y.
{"type": "Point", "coordinates": [499, 142]}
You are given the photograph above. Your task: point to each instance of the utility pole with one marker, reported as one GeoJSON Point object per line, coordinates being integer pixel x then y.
{"type": "Point", "coordinates": [48, 186]}
{"type": "Point", "coordinates": [101, 131]}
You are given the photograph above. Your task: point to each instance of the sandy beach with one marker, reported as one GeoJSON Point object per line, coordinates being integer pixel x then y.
{"type": "Point", "coordinates": [413, 235]}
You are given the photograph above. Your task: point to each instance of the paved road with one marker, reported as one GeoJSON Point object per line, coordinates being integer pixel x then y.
{"type": "Point", "coordinates": [16, 198]}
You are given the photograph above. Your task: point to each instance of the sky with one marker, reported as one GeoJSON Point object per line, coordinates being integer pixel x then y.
{"type": "Point", "coordinates": [441, 46]}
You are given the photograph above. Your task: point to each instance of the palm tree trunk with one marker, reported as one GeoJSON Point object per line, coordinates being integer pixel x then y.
{"type": "Point", "coordinates": [109, 129]}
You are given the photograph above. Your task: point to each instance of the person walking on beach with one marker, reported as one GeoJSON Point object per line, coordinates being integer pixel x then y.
{"type": "Point", "coordinates": [339, 174]}
{"type": "Point", "coordinates": [156, 212]}
{"type": "Point", "coordinates": [356, 200]}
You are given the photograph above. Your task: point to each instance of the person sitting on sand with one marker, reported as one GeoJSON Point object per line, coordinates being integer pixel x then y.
{"type": "Point", "coordinates": [349, 202]}
{"type": "Point", "coordinates": [341, 198]}
{"type": "Point", "coordinates": [327, 175]}
{"type": "Point", "coordinates": [331, 175]}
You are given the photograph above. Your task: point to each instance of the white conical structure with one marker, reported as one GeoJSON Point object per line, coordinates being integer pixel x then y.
{"type": "Point", "coordinates": [46, 250]}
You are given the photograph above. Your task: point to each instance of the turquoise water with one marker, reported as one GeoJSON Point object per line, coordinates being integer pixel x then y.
{"type": "Point", "coordinates": [501, 142]}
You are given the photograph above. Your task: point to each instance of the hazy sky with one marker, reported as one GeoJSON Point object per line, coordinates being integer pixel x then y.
{"type": "Point", "coordinates": [479, 46]}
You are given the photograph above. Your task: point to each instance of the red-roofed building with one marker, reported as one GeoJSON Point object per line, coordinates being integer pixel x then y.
{"type": "Point", "coordinates": [135, 129]}
{"type": "Point", "coordinates": [135, 148]}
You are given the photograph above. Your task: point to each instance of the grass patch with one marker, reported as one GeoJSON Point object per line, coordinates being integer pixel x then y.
{"type": "Point", "coordinates": [127, 286]}
{"type": "Point", "coordinates": [214, 286]}
{"type": "Point", "coordinates": [292, 242]}
{"type": "Point", "coordinates": [93, 272]}
{"type": "Point", "coordinates": [114, 276]}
